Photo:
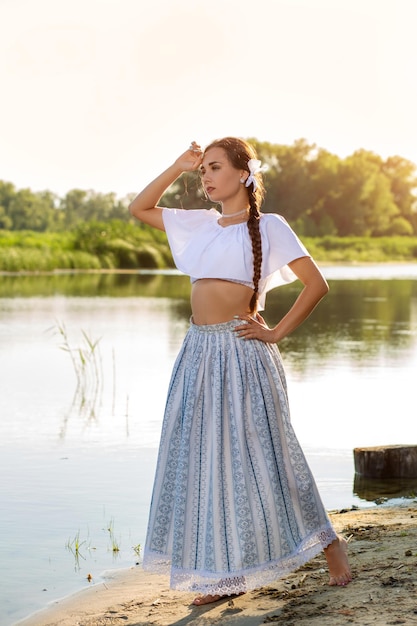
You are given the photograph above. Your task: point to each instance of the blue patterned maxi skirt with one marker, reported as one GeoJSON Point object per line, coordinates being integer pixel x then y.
{"type": "Point", "coordinates": [234, 504]}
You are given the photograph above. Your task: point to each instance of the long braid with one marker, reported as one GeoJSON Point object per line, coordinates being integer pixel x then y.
{"type": "Point", "coordinates": [239, 152]}
{"type": "Point", "coordinates": [255, 235]}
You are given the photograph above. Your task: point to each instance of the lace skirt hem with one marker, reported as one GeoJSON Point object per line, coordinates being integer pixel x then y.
{"type": "Point", "coordinates": [231, 583]}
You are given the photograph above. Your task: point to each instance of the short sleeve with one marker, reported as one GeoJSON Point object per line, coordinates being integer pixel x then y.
{"type": "Point", "coordinates": [281, 243]}
{"type": "Point", "coordinates": [280, 246]}
{"type": "Point", "coordinates": [190, 233]}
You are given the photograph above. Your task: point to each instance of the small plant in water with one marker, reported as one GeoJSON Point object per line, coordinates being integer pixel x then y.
{"type": "Point", "coordinates": [114, 543]}
{"type": "Point", "coordinates": [137, 550]}
{"type": "Point", "coordinates": [74, 546]}
{"type": "Point", "coordinates": [86, 361]}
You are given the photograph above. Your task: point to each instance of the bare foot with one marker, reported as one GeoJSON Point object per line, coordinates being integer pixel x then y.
{"type": "Point", "coordinates": [337, 561]}
{"type": "Point", "coordinates": [206, 599]}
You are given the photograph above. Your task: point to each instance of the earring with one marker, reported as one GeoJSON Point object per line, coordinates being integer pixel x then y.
{"type": "Point", "coordinates": [242, 180]}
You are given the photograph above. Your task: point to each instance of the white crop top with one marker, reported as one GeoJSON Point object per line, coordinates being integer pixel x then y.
{"type": "Point", "coordinates": [203, 249]}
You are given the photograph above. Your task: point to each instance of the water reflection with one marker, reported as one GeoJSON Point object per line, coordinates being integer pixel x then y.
{"type": "Point", "coordinates": [377, 490]}
{"type": "Point", "coordinates": [358, 320]}
{"type": "Point", "coordinates": [359, 343]}
{"type": "Point", "coordinates": [354, 360]}
{"type": "Point", "coordinates": [114, 285]}
{"type": "Point", "coordinates": [357, 315]}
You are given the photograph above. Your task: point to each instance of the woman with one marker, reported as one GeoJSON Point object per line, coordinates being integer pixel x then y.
{"type": "Point", "coordinates": [234, 504]}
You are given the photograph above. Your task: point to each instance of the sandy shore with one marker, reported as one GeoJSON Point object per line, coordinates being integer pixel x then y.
{"type": "Point", "coordinates": [383, 554]}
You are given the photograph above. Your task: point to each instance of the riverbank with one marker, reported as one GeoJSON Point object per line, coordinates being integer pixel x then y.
{"type": "Point", "coordinates": [383, 555]}
{"type": "Point", "coordinates": [120, 245]}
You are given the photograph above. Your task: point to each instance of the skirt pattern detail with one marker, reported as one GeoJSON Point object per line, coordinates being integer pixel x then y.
{"type": "Point", "coordinates": [234, 504]}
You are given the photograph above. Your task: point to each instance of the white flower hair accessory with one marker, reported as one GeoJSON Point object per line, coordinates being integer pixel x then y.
{"type": "Point", "coordinates": [255, 167]}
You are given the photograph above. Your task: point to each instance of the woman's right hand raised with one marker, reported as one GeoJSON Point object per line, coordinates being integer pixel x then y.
{"type": "Point", "coordinates": [144, 206]}
{"type": "Point", "coordinates": [191, 159]}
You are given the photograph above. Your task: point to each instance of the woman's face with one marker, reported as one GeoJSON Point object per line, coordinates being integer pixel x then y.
{"type": "Point", "coordinates": [221, 181]}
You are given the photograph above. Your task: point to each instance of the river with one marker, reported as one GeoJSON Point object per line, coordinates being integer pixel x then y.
{"type": "Point", "coordinates": [85, 364]}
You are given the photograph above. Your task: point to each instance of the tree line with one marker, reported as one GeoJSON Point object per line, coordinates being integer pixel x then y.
{"type": "Point", "coordinates": [24, 209]}
{"type": "Point", "coordinates": [318, 192]}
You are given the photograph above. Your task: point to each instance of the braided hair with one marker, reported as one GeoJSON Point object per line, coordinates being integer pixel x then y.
{"type": "Point", "coordinates": [239, 153]}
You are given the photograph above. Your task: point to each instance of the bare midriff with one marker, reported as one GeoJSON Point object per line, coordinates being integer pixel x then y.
{"type": "Point", "coordinates": [214, 301]}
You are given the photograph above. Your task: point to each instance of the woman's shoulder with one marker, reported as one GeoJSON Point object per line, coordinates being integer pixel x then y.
{"type": "Point", "coordinates": [273, 218]}
{"type": "Point", "coordinates": [189, 218]}
{"type": "Point", "coordinates": [273, 222]}
{"type": "Point", "coordinates": [281, 238]}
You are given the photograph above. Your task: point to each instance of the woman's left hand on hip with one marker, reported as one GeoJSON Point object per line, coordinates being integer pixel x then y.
{"type": "Point", "coordinates": [254, 328]}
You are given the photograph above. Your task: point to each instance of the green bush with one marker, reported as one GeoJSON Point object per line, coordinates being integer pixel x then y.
{"type": "Point", "coordinates": [117, 245]}
{"type": "Point", "coordinates": [32, 239]}
{"type": "Point", "coordinates": [149, 257]}
{"type": "Point", "coordinates": [17, 259]}
{"type": "Point", "coordinates": [362, 249]}
{"type": "Point", "coordinates": [123, 253]}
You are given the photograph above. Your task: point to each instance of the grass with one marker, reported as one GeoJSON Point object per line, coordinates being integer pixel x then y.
{"type": "Point", "coordinates": [87, 365]}
{"type": "Point", "coordinates": [115, 545]}
{"type": "Point", "coordinates": [91, 246]}
{"type": "Point", "coordinates": [18, 258]}
{"type": "Point", "coordinates": [117, 245]}
{"type": "Point", "coordinates": [362, 249]}
{"type": "Point", "coordinates": [74, 546]}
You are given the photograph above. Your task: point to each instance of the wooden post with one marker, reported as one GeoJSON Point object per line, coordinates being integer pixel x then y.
{"type": "Point", "coordinates": [398, 461]}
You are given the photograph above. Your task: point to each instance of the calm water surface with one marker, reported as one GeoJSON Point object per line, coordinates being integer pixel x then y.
{"type": "Point", "coordinates": [77, 464]}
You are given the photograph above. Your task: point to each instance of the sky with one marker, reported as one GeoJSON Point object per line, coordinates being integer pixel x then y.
{"type": "Point", "coordinates": [105, 94]}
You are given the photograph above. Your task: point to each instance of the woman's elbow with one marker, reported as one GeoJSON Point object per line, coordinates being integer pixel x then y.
{"type": "Point", "coordinates": [134, 210]}
{"type": "Point", "coordinates": [132, 207]}
{"type": "Point", "coordinates": [323, 287]}
{"type": "Point", "coordinates": [323, 290]}
{"type": "Point", "coordinates": [318, 287]}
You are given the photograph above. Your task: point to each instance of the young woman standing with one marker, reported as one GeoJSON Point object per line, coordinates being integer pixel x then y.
{"type": "Point", "coordinates": [234, 504]}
